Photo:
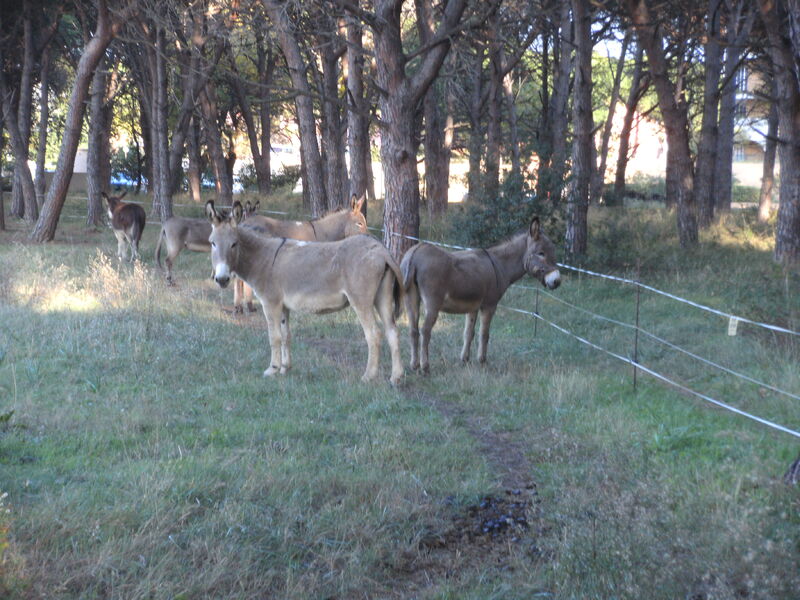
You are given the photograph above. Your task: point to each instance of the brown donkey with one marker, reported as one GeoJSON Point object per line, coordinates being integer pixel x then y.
{"type": "Point", "coordinates": [178, 233]}
{"type": "Point", "coordinates": [319, 277]}
{"type": "Point", "coordinates": [469, 282]}
{"type": "Point", "coordinates": [127, 221]}
{"type": "Point", "coordinates": [332, 227]}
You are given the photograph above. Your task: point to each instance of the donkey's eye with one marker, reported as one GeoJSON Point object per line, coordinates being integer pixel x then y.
{"type": "Point", "coordinates": [540, 255]}
{"type": "Point", "coordinates": [213, 245]}
{"type": "Point", "coordinates": [233, 245]}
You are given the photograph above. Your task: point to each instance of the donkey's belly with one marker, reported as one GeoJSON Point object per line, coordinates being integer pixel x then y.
{"type": "Point", "coordinates": [316, 303]}
{"type": "Point", "coordinates": [458, 305]}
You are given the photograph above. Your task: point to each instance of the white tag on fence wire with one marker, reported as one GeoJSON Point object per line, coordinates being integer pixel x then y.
{"type": "Point", "coordinates": [733, 324]}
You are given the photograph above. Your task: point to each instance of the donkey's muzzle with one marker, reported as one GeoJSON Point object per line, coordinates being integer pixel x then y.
{"type": "Point", "coordinates": [222, 280]}
{"type": "Point", "coordinates": [552, 280]}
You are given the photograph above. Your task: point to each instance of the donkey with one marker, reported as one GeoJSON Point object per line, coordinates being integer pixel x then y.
{"type": "Point", "coordinates": [469, 282]}
{"type": "Point", "coordinates": [178, 233]}
{"type": "Point", "coordinates": [311, 277]}
{"type": "Point", "coordinates": [127, 221]}
{"type": "Point", "coordinates": [332, 227]}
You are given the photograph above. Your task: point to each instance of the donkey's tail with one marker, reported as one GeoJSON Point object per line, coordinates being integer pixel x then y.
{"type": "Point", "coordinates": [408, 268]}
{"type": "Point", "coordinates": [161, 237]}
{"type": "Point", "coordinates": [398, 289]}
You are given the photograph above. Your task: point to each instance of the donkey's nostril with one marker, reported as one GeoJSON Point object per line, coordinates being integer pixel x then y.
{"type": "Point", "coordinates": [222, 280]}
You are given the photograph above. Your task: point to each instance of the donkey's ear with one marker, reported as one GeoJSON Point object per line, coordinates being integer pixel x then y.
{"type": "Point", "coordinates": [534, 229]}
{"type": "Point", "coordinates": [237, 213]}
{"type": "Point", "coordinates": [256, 205]}
{"type": "Point", "coordinates": [212, 214]}
{"type": "Point", "coordinates": [357, 203]}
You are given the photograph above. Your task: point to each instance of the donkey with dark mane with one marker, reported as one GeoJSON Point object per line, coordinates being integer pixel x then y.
{"type": "Point", "coordinates": [470, 282]}
{"type": "Point", "coordinates": [316, 277]}
{"type": "Point", "coordinates": [127, 220]}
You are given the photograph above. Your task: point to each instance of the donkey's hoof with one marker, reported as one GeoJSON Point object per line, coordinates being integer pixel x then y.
{"type": "Point", "coordinates": [251, 307]}
{"type": "Point", "coordinates": [238, 310]}
{"type": "Point", "coordinates": [271, 371]}
{"type": "Point", "coordinates": [396, 379]}
{"type": "Point", "coordinates": [426, 370]}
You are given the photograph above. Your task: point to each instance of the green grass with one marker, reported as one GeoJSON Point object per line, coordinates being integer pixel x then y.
{"type": "Point", "coordinates": [145, 456]}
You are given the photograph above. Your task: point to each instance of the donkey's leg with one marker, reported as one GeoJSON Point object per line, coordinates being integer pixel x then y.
{"type": "Point", "coordinates": [273, 315]}
{"type": "Point", "coordinates": [286, 334]}
{"type": "Point", "coordinates": [134, 248]}
{"type": "Point", "coordinates": [238, 285]}
{"type": "Point", "coordinates": [412, 308]}
{"type": "Point", "coordinates": [431, 314]}
{"type": "Point", "coordinates": [486, 321]}
{"type": "Point", "coordinates": [248, 297]}
{"type": "Point", "coordinates": [121, 244]}
{"type": "Point", "coordinates": [469, 333]}
{"type": "Point", "coordinates": [384, 302]}
{"type": "Point", "coordinates": [372, 333]}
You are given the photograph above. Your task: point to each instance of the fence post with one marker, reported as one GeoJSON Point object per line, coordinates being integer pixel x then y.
{"type": "Point", "coordinates": [536, 312]}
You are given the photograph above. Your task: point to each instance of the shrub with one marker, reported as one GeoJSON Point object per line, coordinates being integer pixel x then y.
{"type": "Point", "coordinates": [486, 221]}
{"type": "Point", "coordinates": [287, 178]}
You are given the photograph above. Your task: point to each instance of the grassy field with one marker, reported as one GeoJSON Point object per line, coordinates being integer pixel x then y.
{"type": "Point", "coordinates": [143, 456]}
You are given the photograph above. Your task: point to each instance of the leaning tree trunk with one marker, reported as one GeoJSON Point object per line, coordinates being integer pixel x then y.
{"type": "Point", "coordinates": [636, 91]}
{"type": "Point", "coordinates": [93, 52]}
{"type": "Point", "coordinates": [707, 147]}
{"type": "Point", "coordinates": [768, 168]}
{"type": "Point", "coordinates": [583, 124]}
{"type": "Point", "coordinates": [313, 183]}
{"type": "Point", "coordinates": [676, 123]}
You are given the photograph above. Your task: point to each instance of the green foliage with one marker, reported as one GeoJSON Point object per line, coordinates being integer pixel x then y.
{"type": "Point", "coordinates": [125, 163]}
{"type": "Point", "coordinates": [286, 179]}
{"type": "Point", "coordinates": [486, 221]}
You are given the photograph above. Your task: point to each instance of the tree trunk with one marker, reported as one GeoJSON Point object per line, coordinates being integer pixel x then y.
{"type": "Point", "coordinates": [313, 183]}
{"type": "Point", "coordinates": [333, 128]}
{"type": "Point", "coordinates": [162, 190]}
{"type": "Point", "coordinates": [599, 176]}
{"type": "Point", "coordinates": [93, 52]}
{"type": "Point", "coordinates": [676, 123]}
{"type": "Point", "coordinates": [768, 170]}
{"type": "Point", "coordinates": [398, 105]}
{"type": "Point", "coordinates": [783, 52]}
{"type": "Point", "coordinates": [635, 94]}
{"type": "Point", "coordinates": [98, 136]}
{"type": "Point", "coordinates": [213, 137]}
{"type": "Point", "coordinates": [513, 129]}
{"type": "Point", "coordinates": [707, 147]}
{"type": "Point", "coordinates": [740, 19]}
{"type": "Point", "coordinates": [40, 183]}
{"type": "Point", "coordinates": [583, 124]}
{"type": "Point", "coordinates": [357, 122]}
{"type": "Point", "coordinates": [475, 141]}
{"type": "Point", "coordinates": [436, 144]}
{"type": "Point", "coordinates": [491, 176]}
{"type": "Point", "coordinates": [195, 170]}
{"type": "Point", "coordinates": [2, 192]}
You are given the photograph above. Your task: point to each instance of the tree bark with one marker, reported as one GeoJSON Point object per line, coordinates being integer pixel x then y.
{"type": "Point", "coordinates": [333, 134]}
{"type": "Point", "coordinates": [676, 123]}
{"type": "Point", "coordinates": [195, 170]}
{"type": "Point", "coordinates": [783, 52]}
{"type": "Point", "coordinates": [583, 124]}
{"type": "Point", "coordinates": [401, 93]}
{"type": "Point", "coordinates": [313, 183]}
{"type": "Point", "coordinates": [491, 171]}
{"type": "Point", "coordinates": [707, 147]}
{"type": "Point", "coordinates": [599, 176]}
{"type": "Point", "coordinates": [93, 52]}
{"type": "Point", "coordinates": [768, 167]}
{"type": "Point", "coordinates": [475, 141]}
